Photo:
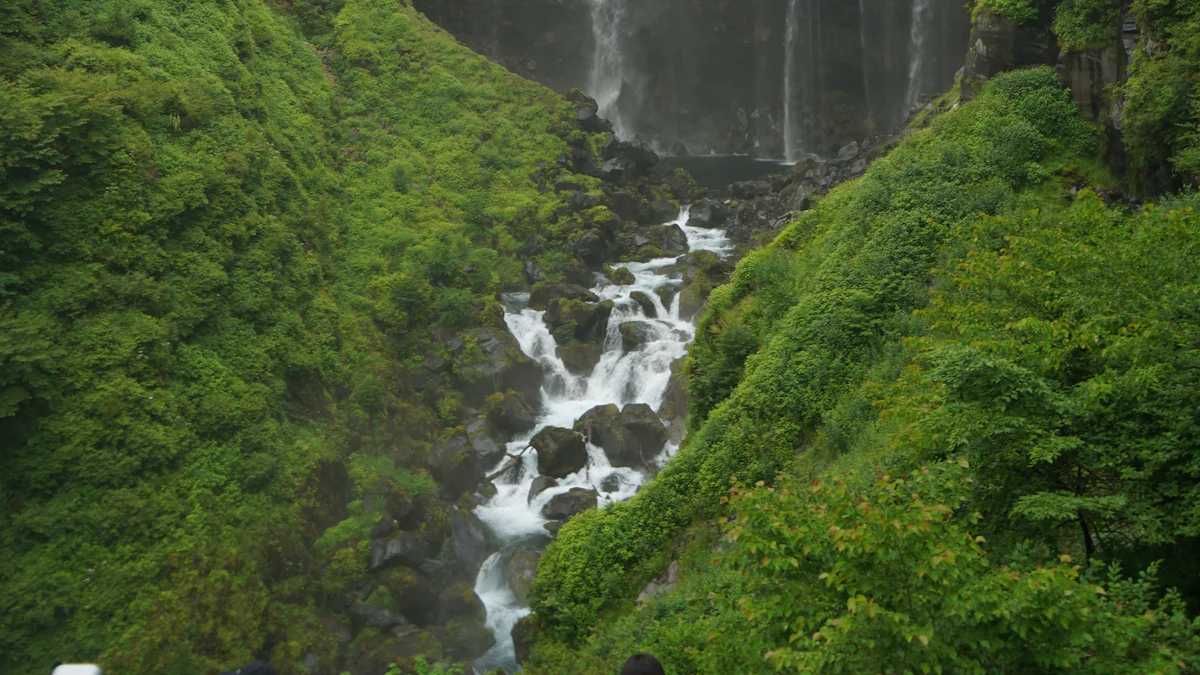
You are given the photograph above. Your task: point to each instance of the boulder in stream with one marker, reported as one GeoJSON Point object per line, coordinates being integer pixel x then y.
{"type": "Point", "coordinates": [510, 413]}
{"type": "Point", "coordinates": [539, 485]}
{"type": "Point", "coordinates": [561, 452]}
{"type": "Point", "coordinates": [496, 366]}
{"type": "Point", "coordinates": [569, 504]}
{"type": "Point", "coordinates": [708, 214]}
{"type": "Point", "coordinates": [520, 569]}
{"type": "Point", "coordinates": [645, 303]}
{"type": "Point", "coordinates": [574, 320]}
{"type": "Point", "coordinates": [630, 438]}
{"type": "Point", "coordinates": [543, 293]}
{"type": "Point", "coordinates": [580, 359]}
{"type": "Point", "coordinates": [635, 335]}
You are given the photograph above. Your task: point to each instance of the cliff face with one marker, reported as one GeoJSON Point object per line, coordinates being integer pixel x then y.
{"type": "Point", "coordinates": [703, 76]}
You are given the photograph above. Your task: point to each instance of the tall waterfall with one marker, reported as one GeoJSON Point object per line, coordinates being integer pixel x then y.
{"type": "Point", "coordinates": [919, 32]}
{"type": "Point", "coordinates": [608, 69]}
{"type": "Point", "coordinates": [621, 377]}
{"type": "Point", "coordinates": [866, 67]}
{"type": "Point", "coordinates": [789, 82]}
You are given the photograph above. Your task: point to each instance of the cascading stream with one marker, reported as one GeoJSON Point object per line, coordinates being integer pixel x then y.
{"type": "Point", "coordinates": [621, 378]}
{"type": "Point", "coordinates": [607, 76]}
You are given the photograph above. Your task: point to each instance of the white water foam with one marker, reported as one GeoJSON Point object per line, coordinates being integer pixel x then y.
{"type": "Point", "coordinates": [621, 378]}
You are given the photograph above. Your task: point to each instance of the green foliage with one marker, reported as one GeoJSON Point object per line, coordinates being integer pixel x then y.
{"type": "Point", "coordinates": [220, 242]}
{"type": "Point", "coordinates": [1062, 362]}
{"type": "Point", "coordinates": [869, 573]}
{"type": "Point", "coordinates": [1087, 24]}
{"type": "Point", "coordinates": [1017, 11]}
{"type": "Point", "coordinates": [804, 323]}
{"type": "Point", "coordinates": [1161, 127]}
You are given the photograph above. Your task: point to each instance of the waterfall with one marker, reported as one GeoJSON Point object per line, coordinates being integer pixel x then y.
{"type": "Point", "coordinates": [789, 77]}
{"type": "Point", "coordinates": [607, 76]}
{"type": "Point", "coordinates": [866, 66]}
{"type": "Point", "coordinates": [918, 33]}
{"type": "Point", "coordinates": [621, 378]}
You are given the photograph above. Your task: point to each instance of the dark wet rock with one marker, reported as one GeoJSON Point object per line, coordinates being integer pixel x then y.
{"type": "Point", "coordinates": [645, 303]}
{"type": "Point", "coordinates": [662, 211]}
{"type": "Point", "coordinates": [471, 541]}
{"type": "Point", "coordinates": [675, 403]}
{"type": "Point", "coordinates": [459, 601]}
{"type": "Point", "coordinates": [750, 189]}
{"type": "Point", "coordinates": [510, 413]}
{"type": "Point", "coordinates": [553, 527]}
{"type": "Point", "coordinates": [383, 528]}
{"type": "Point", "coordinates": [578, 274]}
{"type": "Point", "coordinates": [376, 617]}
{"type": "Point", "coordinates": [569, 504]}
{"type": "Point", "coordinates": [523, 636]}
{"type": "Point", "coordinates": [667, 294]}
{"type": "Point", "coordinates": [671, 239]}
{"type": "Point", "coordinates": [610, 484]}
{"type": "Point", "coordinates": [997, 45]}
{"type": "Point", "coordinates": [624, 161]}
{"type": "Point", "coordinates": [486, 448]}
{"type": "Point", "coordinates": [635, 334]}
{"type": "Point", "coordinates": [574, 320]}
{"type": "Point", "coordinates": [465, 639]}
{"type": "Point", "coordinates": [630, 437]}
{"type": "Point", "coordinates": [580, 359]}
{"type": "Point", "coordinates": [412, 592]}
{"type": "Point", "coordinates": [629, 206]}
{"type": "Point", "coordinates": [405, 548]}
{"type": "Point", "coordinates": [540, 485]}
{"type": "Point", "coordinates": [543, 293]}
{"type": "Point", "coordinates": [561, 452]}
{"type": "Point", "coordinates": [592, 248]}
{"type": "Point", "coordinates": [497, 366]}
{"type": "Point", "coordinates": [708, 213]}
{"type": "Point", "coordinates": [456, 466]}
{"type": "Point", "coordinates": [621, 276]}
{"type": "Point", "coordinates": [520, 569]}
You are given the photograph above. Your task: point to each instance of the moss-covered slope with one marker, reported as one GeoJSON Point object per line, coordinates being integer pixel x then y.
{"type": "Point", "coordinates": [223, 246]}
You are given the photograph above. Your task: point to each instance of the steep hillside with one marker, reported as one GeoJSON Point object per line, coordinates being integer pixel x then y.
{"type": "Point", "coordinates": [226, 247]}
{"type": "Point", "coordinates": [944, 423]}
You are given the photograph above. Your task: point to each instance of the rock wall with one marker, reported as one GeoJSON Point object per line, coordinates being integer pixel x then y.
{"type": "Point", "coordinates": [705, 76]}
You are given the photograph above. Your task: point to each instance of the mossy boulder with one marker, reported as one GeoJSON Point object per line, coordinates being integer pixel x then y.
{"type": "Point", "coordinates": [561, 452]}
{"type": "Point", "coordinates": [635, 334]}
{"type": "Point", "coordinates": [490, 360]}
{"type": "Point", "coordinates": [630, 437]}
{"type": "Point", "coordinates": [456, 466]}
{"type": "Point", "coordinates": [580, 359]}
{"type": "Point", "coordinates": [510, 413]}
{"type": "Point", "coordinates": [621, 276]}
{"type": "Point", "coordinates": [541, 294]}
{"type": "Point", "coordinates": [575, 320]}
{"type": "Point", "coordinates": [569, 504]}
{"type": "Point", "coordinates": [645, 303]}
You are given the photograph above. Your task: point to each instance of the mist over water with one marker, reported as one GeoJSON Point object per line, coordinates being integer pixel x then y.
{"type": "Point", "coordinates": [620, 378]}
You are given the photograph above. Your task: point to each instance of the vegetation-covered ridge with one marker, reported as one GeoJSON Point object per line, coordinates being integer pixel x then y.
{"type": "Point", "coordinates": [227, 233]}
{"type": "Point", "coordinates": [944, 423]}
